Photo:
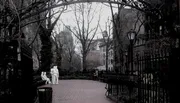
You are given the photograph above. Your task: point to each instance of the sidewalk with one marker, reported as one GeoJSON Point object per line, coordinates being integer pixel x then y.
{"type": "Point", "coordinates": [79, 91]}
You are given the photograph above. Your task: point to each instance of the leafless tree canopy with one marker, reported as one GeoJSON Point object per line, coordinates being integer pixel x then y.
{"type": "Point", "coordinates": [84, 15]}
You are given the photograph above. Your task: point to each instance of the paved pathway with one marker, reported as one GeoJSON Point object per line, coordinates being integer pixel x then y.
{"type": "Point", "coordinates": [79, 91]}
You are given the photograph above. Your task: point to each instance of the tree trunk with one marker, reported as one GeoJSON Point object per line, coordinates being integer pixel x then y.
{"type": "Point", "coordinates": [38, 58]}
{"type": "Point", "coordinates": [84, 62]}
{"type": "Point", "coordinates": [46, 53]}
{"type": "Point", "coordinates": [107, 58]}
{"type": "Point", "coordinates": [58, 58]}
{"type": "Point", "coordinates": [70, 62]}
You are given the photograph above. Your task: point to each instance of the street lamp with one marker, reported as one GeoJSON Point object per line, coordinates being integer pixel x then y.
{"type": "Point", "coordinates": [131, 36]}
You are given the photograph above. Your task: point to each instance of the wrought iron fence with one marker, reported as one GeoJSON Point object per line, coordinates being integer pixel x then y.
{"type": "Point", "coordinates": [147, 84]}
{"type": "Point", "coordinates": [152, 70]}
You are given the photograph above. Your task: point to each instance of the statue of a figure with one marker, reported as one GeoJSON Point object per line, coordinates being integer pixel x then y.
{"type": "Point", "coordinates": [54, 75]}
{"type": "Point", "coordinates": [44, 77]}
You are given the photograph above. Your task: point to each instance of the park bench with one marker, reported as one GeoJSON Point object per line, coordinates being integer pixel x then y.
{"type": "Point", "coordinates": [37, 81]}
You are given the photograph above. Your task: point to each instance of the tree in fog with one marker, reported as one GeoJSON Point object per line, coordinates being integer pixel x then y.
{"type": "Point", "coordinates": [84, 15]}
{"type": "Point", "coordinates": [57, 50]}
{"type": "Point", "coordinates": [76, 62]}
{"type": "Point", "coordinates": [64, 49]}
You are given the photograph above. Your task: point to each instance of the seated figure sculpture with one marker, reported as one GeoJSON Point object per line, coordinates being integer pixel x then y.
{"type": "Point", "coordinates": [44, 77]}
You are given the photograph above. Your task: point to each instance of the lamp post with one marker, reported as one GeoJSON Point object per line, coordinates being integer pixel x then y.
{"type": "Point", "coordinates": [126, 64]}
{"type": "Point", "coordinates": [131, 36]}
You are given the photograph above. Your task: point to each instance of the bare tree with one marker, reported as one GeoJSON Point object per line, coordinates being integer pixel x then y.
{"type": "Point", "coordinates": [65, 46]}
{"type": "Point", "coordinates": [36, 47]}
{"type": "Point", "coordinates": [76, 62]}
{"type": "Point", "coordinates": [84, 16]}
{"type": "Point", "coordinates": [15, 25]}
{"type": "Point", "coordinates": [20, 16]}
{"type": "Point", "coordinates": [57, 49]}
{"type": "Point", "coordinates": [45, 32]}
{"type": "Point", "coordinates": [69, 55]}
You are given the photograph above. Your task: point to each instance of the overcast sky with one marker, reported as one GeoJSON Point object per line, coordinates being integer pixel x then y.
{"type": "Point", "coordinates": [101, 9]}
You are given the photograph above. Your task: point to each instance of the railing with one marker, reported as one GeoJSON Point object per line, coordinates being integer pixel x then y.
{"type": "Point", "coordinates": [148, 83]}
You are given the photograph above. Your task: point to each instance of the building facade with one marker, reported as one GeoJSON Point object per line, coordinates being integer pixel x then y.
{"type": "Point", "coordinates": [107, 59]}
{"type": "Point", "coordinates": [64, 49]}
{"type": "Point", "coordinates": [94, 56]}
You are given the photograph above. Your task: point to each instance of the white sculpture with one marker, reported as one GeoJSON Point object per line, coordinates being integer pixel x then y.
{"type": "Point", "coordinates": [54, 75]}
{"type": "Point", "coordinates": [44, 77]}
